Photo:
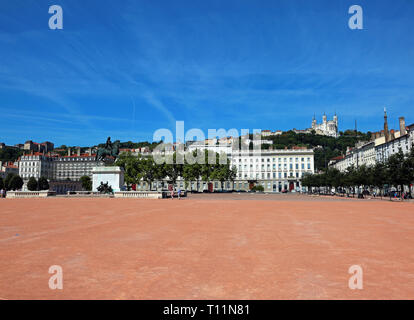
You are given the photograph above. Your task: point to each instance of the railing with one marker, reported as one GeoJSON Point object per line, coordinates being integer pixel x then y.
{"type": "Point", "coordinates": [87, 194]}
{"type": "Point", "coordinates": [30, 194]}
{"type": "Point", "coordinates": [141, 194]}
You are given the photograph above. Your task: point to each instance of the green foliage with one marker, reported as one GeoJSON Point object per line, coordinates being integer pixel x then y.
{"type": "Point", "coordinates": [325, 147]}
{"type": "Point", "coordinates": [16, 183]}
{"type": "Point", "coordinates": [192, 171]}
{"type": "Point", "coordinates": [32, 184]}
{"type": "Point", "coordinates": [131, 166]}
{"type": "Point", "coordinates": [7, 180]}
{"type": "Point", "coordinates": [10, 154]}
{"type": "Point", "coordinates": [397, 171]}
{"type": "Point", "coordinates": [86, 183]}
{"type": "Point", "coordinates": [400, 169]}
{"type": "Point", "coordinates": [146, 169]}
{"type": "Point", "coordinates": [150, 171]}
{"type": "Point", "coordinates": [43, 183]}
{"type": "Point", "coordinates": [172, 169]}
{"type": "Point", "coordinates": [258, 188]}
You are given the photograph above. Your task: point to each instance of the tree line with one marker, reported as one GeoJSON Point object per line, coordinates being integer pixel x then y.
{"type": "Point", "coordinates": [11, 182]}
{"type": "Point", "coordinates": [10, 154]}
{"type": "Point", "coordinates": [37, 185]}
{"type": "Point", "coordinates": [138, 168]}
{"type": "Point", "coordinates": [325, 147]}
{"type": "Point", "coordinates": [397, 171]}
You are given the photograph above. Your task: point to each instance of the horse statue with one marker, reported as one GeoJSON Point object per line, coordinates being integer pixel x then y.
{"type": "Point", "coordinates": [111, 150]}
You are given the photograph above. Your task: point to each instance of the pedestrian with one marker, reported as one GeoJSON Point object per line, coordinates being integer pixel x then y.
{"type": "Point", "coordinates": [179, 193]}
{"type": "Point", "coordinates": [1, 193]}
{"type": "Point", "coordinates": [172, 194]}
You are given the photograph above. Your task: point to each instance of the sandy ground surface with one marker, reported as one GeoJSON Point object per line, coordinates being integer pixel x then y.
{"type": "Point", "coordinates": [206, 247]}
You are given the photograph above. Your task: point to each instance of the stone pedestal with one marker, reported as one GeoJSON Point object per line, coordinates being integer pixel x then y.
{"type": "Point", "coordinates": [113, 175]}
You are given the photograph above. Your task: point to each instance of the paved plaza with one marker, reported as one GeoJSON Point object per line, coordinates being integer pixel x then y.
{"type": "Point", "coordinates": [219, 246]}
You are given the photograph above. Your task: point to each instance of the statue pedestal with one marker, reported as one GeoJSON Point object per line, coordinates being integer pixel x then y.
{"type": "Point", "coordinates": [113, 175]}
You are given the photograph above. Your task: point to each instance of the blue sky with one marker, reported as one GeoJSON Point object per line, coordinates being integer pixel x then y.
{"type": "Point", "coordinates": [127, 68]}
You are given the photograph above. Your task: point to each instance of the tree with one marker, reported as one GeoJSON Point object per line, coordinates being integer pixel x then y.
{"type": "Point", "coordinates": [16, 183]}
{"type": "Point", "coordinates": [86, 183]}
{"type": "Point", "coordinates": [362, 177]}
{"type": "Point", "coordinates": [410, 165]}
{"type": "Point", "coordinates": [258, 188]}
{"type": "Point", "coordinates": [7, 180]}
{"type": "Point", "coordinates": [32, 184]}
{"type": "Point", "coordinates": [191, 172]}
{"type": "Point", "coordinates": [232, 175]}
{"type": "Point", "coordinates": [43, 183]}
{"type": "Point", "coordinates": [379, 176]}
{"type": "Point", "coordinates": [207, 168]}
{"type": "Point", "coordinates": [150, 171]}
{"type": "Point", "coordinates": [173, 169]}
{"type": "Point", "coordinates": [221, 172]}
{"type": "Point", "coordinates": [10, 154]}
{"type": "Point", "coordinates": [398, 170]}
{"type": "Point", "coordinates": [132, 168]}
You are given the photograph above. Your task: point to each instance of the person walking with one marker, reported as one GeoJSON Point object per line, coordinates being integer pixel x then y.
{"type": "Point", "coordinates": [179, 193]}
{"type": "Point", "coordinates": [1, 193]}
{"type": "Point", "coordinates": [172, 193]}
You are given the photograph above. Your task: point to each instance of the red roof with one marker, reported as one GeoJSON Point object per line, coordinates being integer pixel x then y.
{"type": "Point", "coordinates": [338, 158]}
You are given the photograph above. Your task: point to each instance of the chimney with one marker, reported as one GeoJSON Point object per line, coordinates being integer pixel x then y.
{"type": "Point", "coordinates": [69, 152]}
{"type": "Point", "coordinates": [386, 132]}
{"type": "Point", "coordinates": [78, 150]}
{"type": "Point", "coordinates": [403, 130]}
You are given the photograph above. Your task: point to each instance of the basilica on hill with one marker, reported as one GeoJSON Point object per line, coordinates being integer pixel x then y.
{"type": "Point", "coordinates": [327, 127]}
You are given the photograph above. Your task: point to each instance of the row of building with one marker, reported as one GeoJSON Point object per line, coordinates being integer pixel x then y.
{"type": "Point", "coordinates": [275, 170]}
{"type": "Point", "coordinates": [29, 146]}
{"type": "Point", "coordinates": [382, 145]}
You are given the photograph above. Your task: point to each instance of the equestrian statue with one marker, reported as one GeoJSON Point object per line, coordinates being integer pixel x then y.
{"type": "Point", "coordinates": [110, 149]}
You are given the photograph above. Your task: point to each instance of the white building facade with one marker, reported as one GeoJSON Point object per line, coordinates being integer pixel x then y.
{"type": "Point", "coordinates": [327, 127]}
{"type": "Point", "coordinates": [379, 149]}
{"type": "Point", "coordinates": [275, 170]}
